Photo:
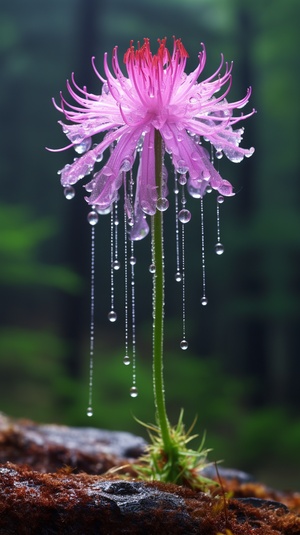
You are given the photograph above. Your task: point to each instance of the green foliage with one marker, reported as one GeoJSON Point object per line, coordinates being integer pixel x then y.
{"type": "Point", "coordinates": [180, 465]}
{"type": "Point", "coordinates": [21, 237]}
{"type": "Point", "coordinates": [30, 366]}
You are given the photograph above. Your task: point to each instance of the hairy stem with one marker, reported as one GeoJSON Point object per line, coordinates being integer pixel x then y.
{"type": "Point", "coordinates": [158, 306]}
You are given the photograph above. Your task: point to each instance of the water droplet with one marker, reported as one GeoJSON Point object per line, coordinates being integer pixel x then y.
{"type": "Point", "coordinates": [178, 276]}
{"type": "Point", "coordinates": [105, 211]}
{"type": "Point", "coordinates": [126, 360]}
{"type": "Point", "coordinates": [184, 344]}
{"type": "Point", "coordinates": [132, 260]}
{"type": "Point", "coordinates": [182, 180]}
{"type": "Point", "coordinates": [152, 268]}
{"type": "Point", "coordinates": [69, 192]}
{"type": "Point", "coordinates": [92, 217]}
{"type": "Point", "coordinates": [126, 165]}
{"type": "Point", "coordinates": [182, 168]}
{"type": "Point", "coordinates": [220, 199]}
{"type": "Point", "coordinates": [219, 154]}
{"type": "Point", "coordinates": [208, 189]}
{"type": "Point", "coordinates": [112, 316]}
{"type": "Point", "coordinates": [219, 248]}
{"type": "Point", "coordinates": [204, 301]}
{"type": "Point", "coordinates": [83, 146]}
{"type": "Point", "coordinates": [89, 411]}
{"type": "Point", "coordinates": [116, 222]}
{"type": "Point", "coordinates": [184, 216]}
{"type": "Point", "coordinates": [162, 204]}
{"type": "Point", "coordinates": [116, 265]}
{"type": "Point", "coordinates": [133, 392]}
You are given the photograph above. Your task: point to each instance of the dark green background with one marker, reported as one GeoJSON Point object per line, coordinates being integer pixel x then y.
{"type": "Point", "coordinates": [241, 373]}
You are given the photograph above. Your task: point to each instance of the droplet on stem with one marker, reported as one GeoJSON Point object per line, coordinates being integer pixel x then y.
{"type": "Point", "coordinates": [152, 268]}
{"type": "Point", "coordinates": [126, 360]}
{"type": "Point", "coordinates": [204, 301]}
{"type": "Point", "coordinates": [162, 204]}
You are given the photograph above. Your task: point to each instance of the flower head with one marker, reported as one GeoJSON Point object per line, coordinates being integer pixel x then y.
{"type": "Point", "coordinates": [156, 94]}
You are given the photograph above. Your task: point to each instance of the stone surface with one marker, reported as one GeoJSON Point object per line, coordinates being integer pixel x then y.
{"type": "Point", "coordinates": [34, 503]}
{"type": "Point", "coordinates": [49, 447]}
{"type": "Point", "coordinates": [58, 492]}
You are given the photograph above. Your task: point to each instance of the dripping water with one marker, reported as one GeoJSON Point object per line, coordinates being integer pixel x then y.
{"type": "Point", "coordinates": [183, 343]}
{"type": "Point", "coordinates": [126, 359]}
{"type": "Point", "coordinates": [132, 262]}
{"type": "Point", "coordinates": [116, 263]}
{"type": "Point", "coordinates": [219, 247]}
{"type": "Point", "coordinates": [133, 390]}
{"type": "Point", "coordinates": [92, 219]}
{"type": "Point", "coordinates": [204, 300]}
{"type": "Point", "coordinates": [178, 276]}
{"type": "Point", "coordinates": [112, 315]}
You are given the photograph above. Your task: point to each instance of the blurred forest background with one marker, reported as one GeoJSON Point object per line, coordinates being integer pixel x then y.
{"type": "Point", "coordinates": [241, 372]}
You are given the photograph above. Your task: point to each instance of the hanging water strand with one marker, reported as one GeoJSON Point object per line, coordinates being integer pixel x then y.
{"type": "Point", "coordinates": [184, 216]}
{"type": "Point", "coordinates": [126, 359]}
{"type": "Point", "coordinates": [93, 220]}
{"type": "Point", "coordinates": [178, 276]}
{"type": "Point", "coordinates": [204, 300]}
{"type": "Point", "coordinates": [219, 247]}
{"type": "Point", "coordinates": [116, 263]}
{"type": "Point", "coordinates": [112, 315]}
{"type": "Point", "coordinates": [133, 389]}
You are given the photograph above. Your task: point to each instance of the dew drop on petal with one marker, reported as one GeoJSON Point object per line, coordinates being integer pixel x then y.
{"type": "Point", "coordinates": [152, 268]}
{"type": "Point", "coordinates": [112, 316]}
{"type": "Point", "coordinates": [219, 154]}
{"type": "Point", "coordinates": [182, 168]}
{"type": "Point", "coordinates": [105, 211]}
{"type": "Point", "coordinates": [83, 146]}
{"type": "Point", "coordinates": [126, 360]}
{"type": "Point", "coordinates": [93, 217]}
{"type": "Point", "coordinates": [69, 193]}
{"type": "Point", "coordinates": [133, 392]}
{"type": "Point", "coordinates": [184, 216]}
{"type": "Point", "coordinates": [220, 199]}
{"type": "Point", "coordinates": [204, 301]}
{"type": "Point", "coordinates": [89, 411]}
{"type": "Point", "coordinates": [219, 248]}
{"type": "Point", "coordinates": [162, 204]}
{"type": "Point", "coordinates": [178, 276]}
{"type": "Point", "coordinates": [99, 157]}
{"type": "Point", "coordinates": [184, 344]}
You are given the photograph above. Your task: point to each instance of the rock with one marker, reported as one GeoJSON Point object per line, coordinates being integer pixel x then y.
{"type": "Point", "coordinates": [33, 503]}
{"type": "Point", "coordinates": [62, 491]}
{"type": "Point", "coordinates": [47, 448]}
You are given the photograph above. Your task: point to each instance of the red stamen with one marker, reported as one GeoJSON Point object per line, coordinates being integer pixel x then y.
{"type": "Point", "coordinates": [143, 53]}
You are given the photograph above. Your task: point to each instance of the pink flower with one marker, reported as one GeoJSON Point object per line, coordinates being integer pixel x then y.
{"type": "Point", "coordinates": [155, 94]}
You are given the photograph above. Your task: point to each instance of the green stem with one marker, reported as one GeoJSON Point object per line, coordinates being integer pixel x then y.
{"type": "Point", "coordinates": [158, 306]}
